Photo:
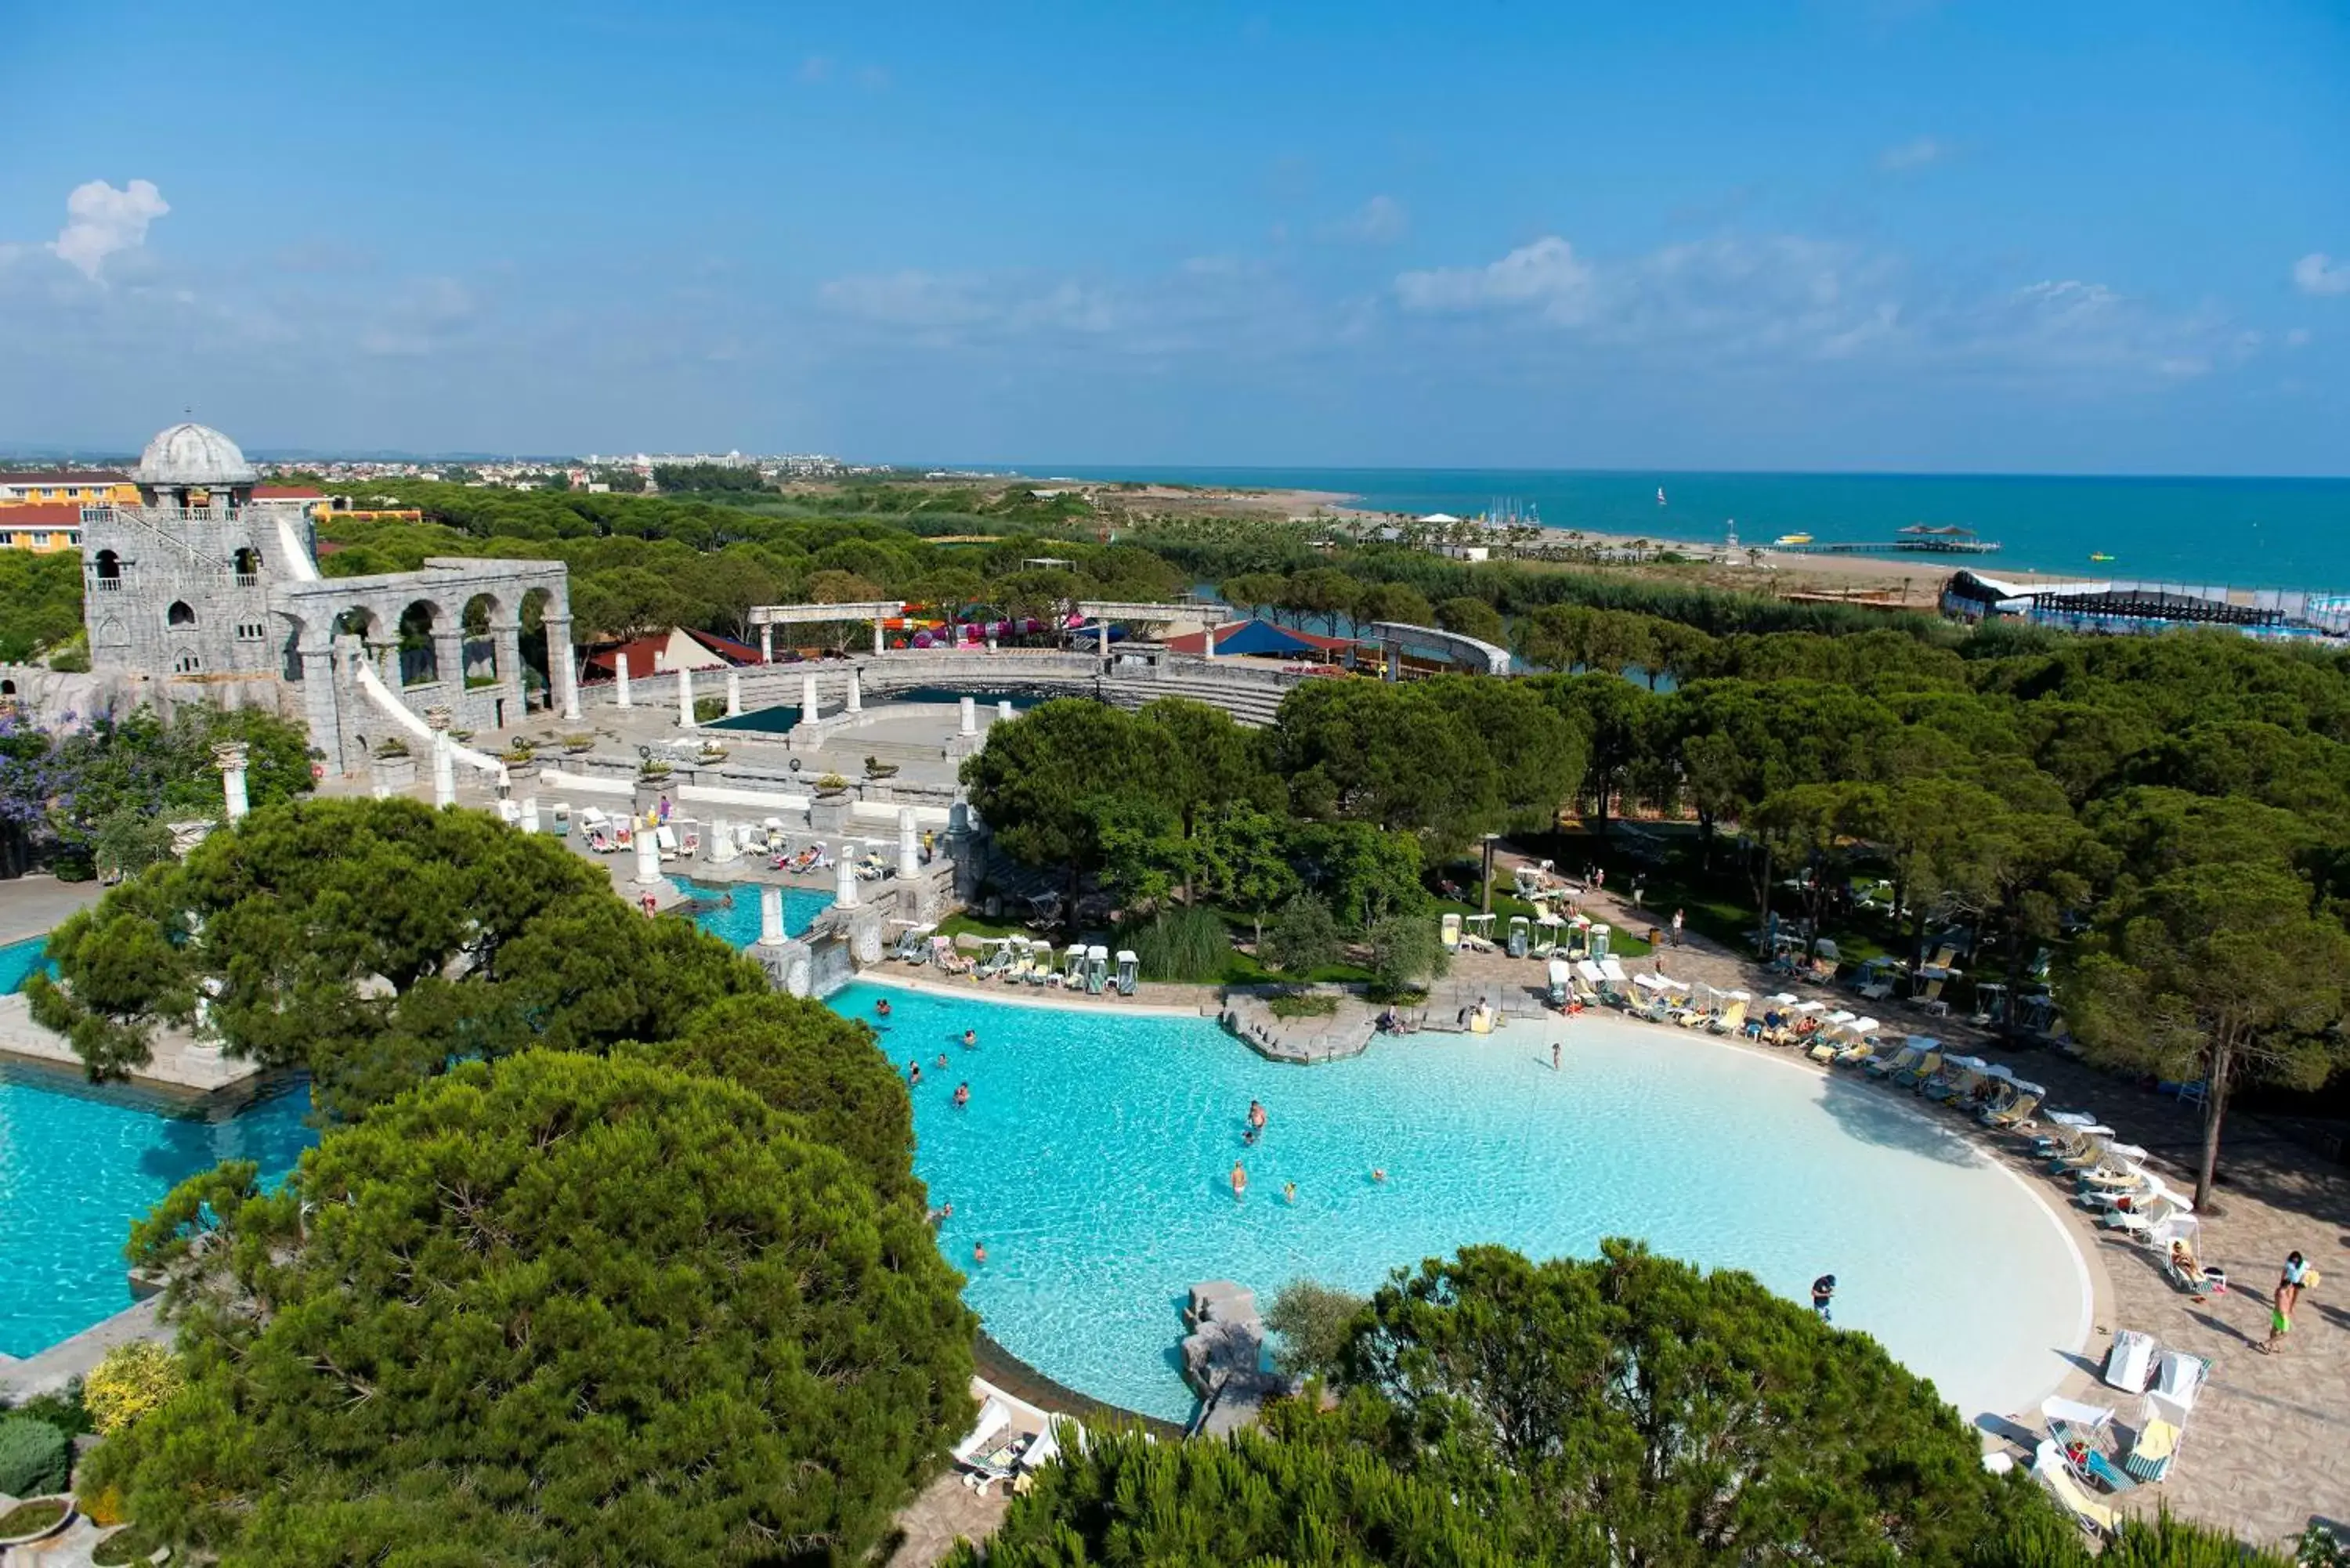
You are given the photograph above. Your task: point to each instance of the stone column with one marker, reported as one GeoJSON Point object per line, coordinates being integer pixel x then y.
{"type": "Point", "coordinates": [322, 706]}
{"type": "Point", "coordinates": [856, 691]}
{"type": "Point", "coordinates": [877, 634]}
{"type": "Point", "coordinates": [506, 649]}
{"type": "Point", "coordinates": [559, 671]}
{"type": "Point", "coordinates": [970, 717]}
{"type": "Point", "coordinates": [807, 700]}
{"type": "Point", "coordinates": [845, 883]}
{"type": "Point", "coordinates": [620, 675]}
{"type": "Point", "coordinates": [648, 859]}
{"type": "Point", "coordinates": [530, 814]}
{"type": "Point", "coordinates": [1395, 662]}
{"type": "Point", "coordinates": [229, 757]}
{"type": "Point", "coordinates": [386, 655]}
{"type": "Point", "coordinates": [1003, 710]}
{"type": "Point", "coordinates": [449, 657]}
{"type": "Point", "coordinates": [721, 846]}
{"type": "Point", "coordinates": [767, 643]}
{"type": "Point", "coordinates": [1103, 634]}
{"type": "Point", "coordinates": [684, 697]}
{"type": "Point", "coordinates": [445, 761]}
{"type": "Point", "coordinates": [733, 693]}
{"type": "Point", "coordinates": [910, 846]}
{"type": "Point", "coordinates": [1211, 650]}
{"type": "Point", "coordinates": [771, 917]}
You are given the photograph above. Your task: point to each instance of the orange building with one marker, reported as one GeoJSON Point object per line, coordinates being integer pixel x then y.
{"type": "Point", "coordinates": [41, 527]}
{"type": "Point", "coordinates": [80, 487]}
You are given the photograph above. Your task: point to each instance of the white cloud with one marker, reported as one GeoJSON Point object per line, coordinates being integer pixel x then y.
{"type": "Point", "coordinates": [1915, 154]}
{"type": "Point", "coordinates": [2318, 273]}
{"type": "Point", "coordinates": [1545, 278]}
{"type": "Point", "coordinates": [1381, 221]}
{"type": "Point", "coordinates": [816, 68]}
{"type": "Point", "coordinates": [101, 221]}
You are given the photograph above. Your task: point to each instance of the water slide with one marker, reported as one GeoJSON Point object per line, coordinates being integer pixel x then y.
{"type": "Point", "coordinates": [385, 697]}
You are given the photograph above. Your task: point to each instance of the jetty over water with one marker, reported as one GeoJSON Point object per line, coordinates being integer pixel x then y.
{"type": "Point", "coordinates": [1918, 539]}
{"type": "Point", "coordinates": [2135, 606]}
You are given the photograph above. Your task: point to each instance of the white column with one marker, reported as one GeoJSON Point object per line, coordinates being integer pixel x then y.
{"type": "Point", "coordinates": [530, 814]}
{"type": "Point", "coordinates": [909, 845]}
{"type": "Point", "coordinates": [1104, 633]}
{"type": "Point", "coordinates": [856, 691]}
{"type": "Point", "coordinates": [1003, 709]}
{"type": "Point", "coordinates": [684, 699]}
{"type": "Point", "coordinates": [771, 917]}
{"type": "Point", "coordinates": [733, 693]}
{"type": "Point", "coordinates": [559, 665]}
{"type": "Point", "coordinates": [445, 761]}
{"type": "Point", "coordinates": [970, 717]}
{"type": "Point", "coordinates": [229, 757]}
{"type": "Point", "coordinates": [721, 838]}
{"type": "Point", "coordinates": [767, 643]}
{"type": "Point", "coordinates": [1210, 652]}
{"type": "Point", "coordinates": [807, 699]}
{"type": "Point", "coordinates": [845, 886]}
{"type": "Point", "coordinates": [877, 634]}
{"type": "Point", "coordinates": [648, 858]}
{"type": "Point", "coordinates": [620, 674]}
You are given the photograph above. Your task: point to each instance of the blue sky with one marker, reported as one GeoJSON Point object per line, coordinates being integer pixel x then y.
{"type": "Point", "coordinates": [1814, 234]}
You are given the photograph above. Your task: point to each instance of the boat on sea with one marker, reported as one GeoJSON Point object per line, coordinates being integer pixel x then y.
{"type": "Point", "coordinates": [1660, 496]}
{"type": "Point", "coordinates": [2100, 555]}
{"type": "Point", "coordinates": [1793, 539]}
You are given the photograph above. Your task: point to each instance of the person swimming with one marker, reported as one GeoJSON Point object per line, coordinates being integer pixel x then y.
{"type": "Point", "coordinates": [882, 1007]}
{"type": "Point", "coordinates": [1240, 1182]}
{"type": "Point", "coordinates": [1378, 1173]}
{"type": "Point", "coordinates": [941, 1062]}
{"type": "Point", "coordinates": [971, 1038]}
{"type": "Point", "coordinates": [914, 1075]}
{"type": "Point", "coordinates": [1256, 1117]}
{"type": "Point", "coordinates": [1289, 1192]}
{"type": "Point", "coordinates": [962, 1096]}
{"type": "Point", "coordinates": [979, 1251]}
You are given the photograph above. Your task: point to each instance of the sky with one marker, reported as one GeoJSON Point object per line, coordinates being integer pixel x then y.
{"type": "Point", "coordinates": [1809, 234]}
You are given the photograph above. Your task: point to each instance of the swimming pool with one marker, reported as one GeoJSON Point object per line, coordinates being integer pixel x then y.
{"type": "Point", "coordinates": [737, 925]}
{"type": "Point", "coordinates": [1095, 1155]}
{"type": "Point", "coordinates": [78, 1165]}
{"type": "Point", "coordinates": [18, 961]}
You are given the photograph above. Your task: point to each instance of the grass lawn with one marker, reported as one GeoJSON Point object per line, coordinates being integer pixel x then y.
{"type": "Point", "coordinates": [980, 926]}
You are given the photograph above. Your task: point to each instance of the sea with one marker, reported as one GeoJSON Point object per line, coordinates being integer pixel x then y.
{"type": "Point", "coordinates": [2241, 533]}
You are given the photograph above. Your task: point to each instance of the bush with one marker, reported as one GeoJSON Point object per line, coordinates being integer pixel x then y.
{"type": "Point", "coordinates": [1302, 1006]}
{"type": "Point", "coordinates": [35, 1457]}
{"type": "Point", "coordinates": [63, 1409]}
{"type": "Point", "coordinates": [124, 1547]}
{"type": "Point", "coordinates": [1181, 943]}
{"type": "Point", "coordinates": [1302, 937]}
{"type": "Point", "coordinates": [1314, 1322]}
{"type": "Point", "coordinates": [30, 1519]}
{"type": "Point", "coordinates": [132, 1380]}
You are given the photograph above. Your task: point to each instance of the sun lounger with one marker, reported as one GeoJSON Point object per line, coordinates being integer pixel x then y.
{"type": "Point", "coordinates": [1917, 1072]}
{"type": "Point", "coordinates": [1901, 1061]}
{"type": "Point", "coordinates": [2161, 1425]}
{"type": "Point", "coordinates": [2080, 1431]}
{"type": "Point", "coordinates": [2048, 1468]}
{"type": "Point", "coordinates": [2014, 1108]}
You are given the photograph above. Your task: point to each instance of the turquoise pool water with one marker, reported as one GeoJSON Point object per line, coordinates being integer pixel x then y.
{"type": "Point", "coordinates": [18, 961]}
{"type": "Point", "coordinates": [1094, 1161]}
{"type": "Point", "coordinates": [78, 1165]}
{"type": "Point", "coordinates": [737, 924]}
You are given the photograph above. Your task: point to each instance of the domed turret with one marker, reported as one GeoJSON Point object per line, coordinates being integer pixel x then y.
{"type": "Point", "coordinates": [192, 455]}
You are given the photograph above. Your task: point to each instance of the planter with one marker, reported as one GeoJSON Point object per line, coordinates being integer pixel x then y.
{"type": "Point", "coordinates": [828, 811]}
{"type": "Point", "coordinates": [35, 1519]}
{"type": "Point", "coordinates": [395, 772]}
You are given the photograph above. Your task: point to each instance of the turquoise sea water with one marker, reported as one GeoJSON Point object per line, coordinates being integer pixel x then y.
{"type": "Point", "coordinates": [1094, 1161]}
{"type": "Point", "coordinates": [2245, 533]}
{"type": "Point", "coordinates": [78, 1165]}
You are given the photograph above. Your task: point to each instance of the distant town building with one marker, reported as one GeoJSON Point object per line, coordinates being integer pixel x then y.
{"type": "Point", "coordinates": [41, 527]}
{"type": "Point", "coordinates": [76, 487]}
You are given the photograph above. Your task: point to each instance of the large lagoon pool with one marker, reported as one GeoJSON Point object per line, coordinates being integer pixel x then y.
{"type": "Point", "coordinates": [1095, 1157]}
{"type": "Point", "coordinates": [78, 1165]}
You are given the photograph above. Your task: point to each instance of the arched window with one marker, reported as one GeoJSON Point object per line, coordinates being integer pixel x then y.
{"type": "Point", "coordinates": [8, 689]}
{"type": "Point", "coordinates": [110, 572]}
{"type": "Point", "coordinates": [180, 613]}
{"type": "Point", "coordinates": [246, 565]}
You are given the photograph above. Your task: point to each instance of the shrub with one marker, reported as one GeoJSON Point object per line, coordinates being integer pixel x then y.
{"type": "Point", "coordinates": [125, 1547]}
{"type": "Point", "coordinates": [30, 1519]}
{"type": "Point", "coordinates": [1181, 943]}
{"type": "Point", "coordinates": [1314, 1322]}
{"type": "Point", "coordinates": [1302, 1006]}
{"type": "Point", "coordinates": [1302, 937]}
{"type": "Point", "coordinates": [63, 1409]}
{"type": "Point", "coordinates": [34, 1457]}
{"type": "Point", "coordinates": [132, 1380]}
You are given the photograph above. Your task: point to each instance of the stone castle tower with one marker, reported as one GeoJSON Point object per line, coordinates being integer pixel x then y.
{"type": "Point", "coordinates": [179, 584]}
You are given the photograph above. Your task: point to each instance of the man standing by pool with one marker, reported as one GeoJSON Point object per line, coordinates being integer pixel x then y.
{"type": "Point", "coordinates": [1823, 1292]}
